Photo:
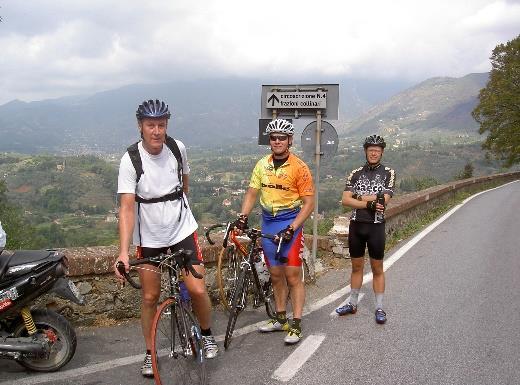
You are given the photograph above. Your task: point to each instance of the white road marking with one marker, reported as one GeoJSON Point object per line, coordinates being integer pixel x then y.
{"type": "Point", "coordinates": [295, 361]}
{"type": "Point", "coordinates": [83, 371]}
{"type": "Point", "coordinates": [63, 375]}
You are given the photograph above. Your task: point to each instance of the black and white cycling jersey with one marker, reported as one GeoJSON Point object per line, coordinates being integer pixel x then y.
{"type": "Point", "coordinates": [368, 180]}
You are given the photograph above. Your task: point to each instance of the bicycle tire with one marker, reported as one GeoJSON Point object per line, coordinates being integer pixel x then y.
{"type": "Point", "coordinates": [177, 328]}
{"type": "Point", "coordinates": [228, 268]}
{"type": "Point", "coordinates": [270, 304]}
{"type": "Point", "coordinates": [237, 306]}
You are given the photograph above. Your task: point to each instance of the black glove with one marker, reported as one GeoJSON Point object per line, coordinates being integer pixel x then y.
{"type": "Point", "coordinates": [371, 205]}
{"type": "Point", "coordinates": [241, 222]}
{"type": "Point", "coordinates": [286, 234]}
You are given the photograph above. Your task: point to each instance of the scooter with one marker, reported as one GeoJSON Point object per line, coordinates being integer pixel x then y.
{"type": "Point", "coordinates": [39, 339]}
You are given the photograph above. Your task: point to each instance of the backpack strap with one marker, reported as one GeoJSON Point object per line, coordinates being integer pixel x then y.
{"type": "Point", "coordinates": [135, 157]}
{"type": "Point", "coordinates": [174, 148]}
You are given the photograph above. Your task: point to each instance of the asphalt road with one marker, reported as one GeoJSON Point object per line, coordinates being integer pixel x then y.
{"type": "Point", "coordinates": [453, 318]}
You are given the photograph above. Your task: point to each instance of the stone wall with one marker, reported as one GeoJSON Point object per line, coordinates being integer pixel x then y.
{"type": "Point", "coordinates": [106, 302]}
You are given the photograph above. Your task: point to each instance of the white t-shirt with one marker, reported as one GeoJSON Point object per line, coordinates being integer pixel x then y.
{"type": "Point", "coordinates": [157, 224]}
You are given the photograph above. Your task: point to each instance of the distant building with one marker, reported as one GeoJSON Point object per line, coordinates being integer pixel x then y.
{"type": "Point", "coordinates": [111, 218]}
{"type": "Point", "coordinates": [60, 167]}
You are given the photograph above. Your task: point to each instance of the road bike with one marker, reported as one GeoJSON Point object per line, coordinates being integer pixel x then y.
{"type": "Point", "coordinates": [228, 266]}
{"type": "Point", "coordinates": [177, 349]}
{"type": "Point", "coordinates": [241, 272]}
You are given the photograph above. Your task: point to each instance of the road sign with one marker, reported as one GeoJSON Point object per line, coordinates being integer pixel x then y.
{"type": "Point", "coordinates": [263, 138]}
{"type": "Point", "coordinates": [328, 140]}
{"type": "Point", "coordinates": [295, 101]}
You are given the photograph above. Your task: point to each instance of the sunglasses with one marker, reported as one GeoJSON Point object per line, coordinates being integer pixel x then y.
{"type": "Point", "coordinates": [281, 138]}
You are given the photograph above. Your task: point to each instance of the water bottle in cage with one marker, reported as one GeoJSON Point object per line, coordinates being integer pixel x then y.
{"type": "Point", "coordinates": [261, 268]}
{"type": "Point", "coordinates": [185, 295]}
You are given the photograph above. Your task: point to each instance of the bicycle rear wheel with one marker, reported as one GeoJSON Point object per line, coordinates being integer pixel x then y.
{"type": "Point", "coordinates": [238, 304]}
{"type": "Point", "coordinates": [228, 268]}
{"type": "Point", "coordinates": [177, 352]}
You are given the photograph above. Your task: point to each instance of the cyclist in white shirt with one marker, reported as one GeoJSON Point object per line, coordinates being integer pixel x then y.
{"type": "Point", "coordinates": [155, 216]}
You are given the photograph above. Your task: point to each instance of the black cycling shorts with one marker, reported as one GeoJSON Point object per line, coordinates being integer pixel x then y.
{"type": "Point", "coordinates": [189, 243]}
{"type": "Point", "coordinates": [362, 235]}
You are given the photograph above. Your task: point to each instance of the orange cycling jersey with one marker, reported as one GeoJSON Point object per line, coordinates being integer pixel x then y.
{"type": "Point", "coordinates": [282, 189]}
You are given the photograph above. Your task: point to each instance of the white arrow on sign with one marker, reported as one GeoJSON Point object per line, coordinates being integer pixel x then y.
{"type": "Point", "coordinates": [297, 100]}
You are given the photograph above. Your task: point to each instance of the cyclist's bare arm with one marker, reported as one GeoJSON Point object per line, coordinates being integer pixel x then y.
{"type": "Point", "coordinates": [249, 201]}
{"type": "Point", "coordinates": [126, 228]}
{"type": "Point", "coordinates": [185, 183]}
{"type": "Point", "coordinates": [305, 211]}
{"type": "Point", "coordinates": [348, 201]}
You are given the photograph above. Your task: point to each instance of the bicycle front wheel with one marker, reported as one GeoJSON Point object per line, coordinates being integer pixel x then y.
{"type": "Point", "coordinates": [177, 352]}
{"type": "Point", "coordinates": [228, 268]}
{"type": "Point", "coordinates": [238, 304]}
{"type": "Point", "coordinates": [270, 304]}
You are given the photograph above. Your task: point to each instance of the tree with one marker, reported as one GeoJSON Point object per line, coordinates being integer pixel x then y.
{"type": "Point", "coordinates": [466, 173]}
{"type": "Point", "coordinates": [19, 233]}
{"type": "Point", "coordinates": [498, 110]}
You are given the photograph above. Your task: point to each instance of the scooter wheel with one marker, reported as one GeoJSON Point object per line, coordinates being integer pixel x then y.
{"type": "Point", "coordinates": [57, 331]}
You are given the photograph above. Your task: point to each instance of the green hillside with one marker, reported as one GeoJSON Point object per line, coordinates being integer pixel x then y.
{"type": "Point", "coordinates": [70, 201]}
{"type": "Point", "coordinates": [437, 105]}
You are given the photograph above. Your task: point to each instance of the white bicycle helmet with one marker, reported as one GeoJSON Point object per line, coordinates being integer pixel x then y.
{"type": "Point", "coordinates": [374, 140]}
{"type": "Point", "coordinates": [280, 126]}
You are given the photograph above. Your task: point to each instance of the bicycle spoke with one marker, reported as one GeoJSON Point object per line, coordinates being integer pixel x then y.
{"type": "Point", "coordinates": [177, 355]}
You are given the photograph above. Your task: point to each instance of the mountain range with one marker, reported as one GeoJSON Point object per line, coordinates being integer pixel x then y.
{"type": "Point", "coordinates": [217, 111]}
{"type": "Point", "coordinates": [440, 104]}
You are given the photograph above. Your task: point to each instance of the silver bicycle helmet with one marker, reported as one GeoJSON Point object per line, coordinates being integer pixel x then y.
{"type": "Point", "coordinates": [374, 140]}
{"type": "Point", "coordinates": [153, 109]}
{"type": "Point", "coordinates": [280, 126]}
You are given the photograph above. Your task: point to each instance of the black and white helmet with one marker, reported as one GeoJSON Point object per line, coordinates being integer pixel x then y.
{"type": "Point", "coordinates": [374, 140]}
{"type": "Point", "coordinates": [153, 109]}
{"type": "Point", "coordinates": [280, 126]}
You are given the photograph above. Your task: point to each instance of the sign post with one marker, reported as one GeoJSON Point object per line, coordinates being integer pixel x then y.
{"type": "Point", "coordinates": [308, 100]}
{"type": "Point", "coordinates": [312, 264]}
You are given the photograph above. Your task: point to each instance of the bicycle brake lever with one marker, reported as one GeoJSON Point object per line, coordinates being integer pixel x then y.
{"type": "Point", "coordinates": [279, 245]}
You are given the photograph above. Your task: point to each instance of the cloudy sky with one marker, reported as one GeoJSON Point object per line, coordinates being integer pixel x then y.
{"type": "Point", "coordinates": [52, 48]}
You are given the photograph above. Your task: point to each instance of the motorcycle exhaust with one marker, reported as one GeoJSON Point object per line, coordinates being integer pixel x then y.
{"type": "Point", "coordinates": [22, 345]}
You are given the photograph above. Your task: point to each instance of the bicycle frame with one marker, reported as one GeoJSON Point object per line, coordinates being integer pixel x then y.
{"type": "Point", "coordinates": [248, 259]}
{"type": "Point", "coordinates": [178, 319]}
{"type": "Point", "coordinates": [178, 309]}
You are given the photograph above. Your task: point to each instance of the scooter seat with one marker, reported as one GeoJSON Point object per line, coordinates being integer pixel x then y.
{"type": "Point", "coordinates": [22, 257]}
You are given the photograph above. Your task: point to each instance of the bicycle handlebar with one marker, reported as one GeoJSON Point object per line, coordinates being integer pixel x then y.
{"type": "Point", "coordinates": [213, 227]}
{"type": "Point", "coordinates": [181, 257]}
{"type": "Point", "coordinates": [251, 233]}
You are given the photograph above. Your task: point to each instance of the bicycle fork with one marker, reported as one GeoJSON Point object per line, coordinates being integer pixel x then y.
{"type": "Point", "coordinates": [184, 333]}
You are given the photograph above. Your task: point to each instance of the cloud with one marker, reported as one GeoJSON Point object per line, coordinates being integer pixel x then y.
{"type": "Point", "coordinates": [56, 48]}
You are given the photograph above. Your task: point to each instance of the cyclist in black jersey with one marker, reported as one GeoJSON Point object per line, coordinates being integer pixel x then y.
{"type": "Point", "coordinates": [367, 192]}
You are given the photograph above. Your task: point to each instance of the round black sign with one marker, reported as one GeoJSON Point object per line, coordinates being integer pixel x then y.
{"type": "Point", "coordinates": [328, 142]}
